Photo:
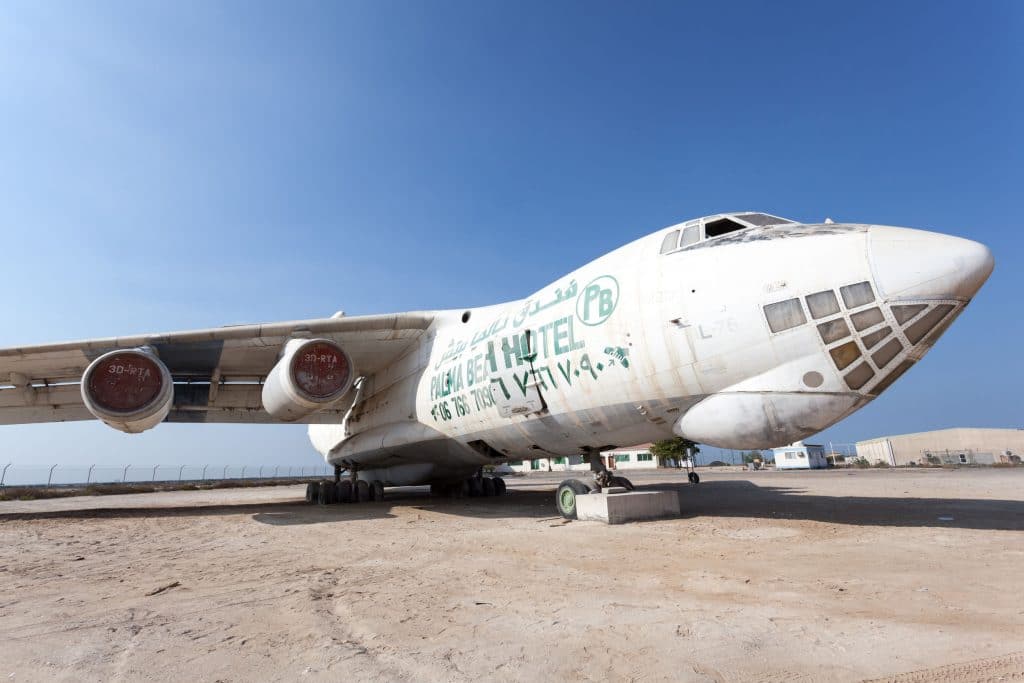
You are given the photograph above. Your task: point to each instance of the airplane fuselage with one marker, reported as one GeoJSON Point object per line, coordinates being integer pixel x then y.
{"type": "Point", "coordinates": [750, 339]}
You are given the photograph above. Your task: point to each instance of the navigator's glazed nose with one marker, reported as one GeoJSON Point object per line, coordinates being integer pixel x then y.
{"type": "Point", "coordinates": [916, 264]}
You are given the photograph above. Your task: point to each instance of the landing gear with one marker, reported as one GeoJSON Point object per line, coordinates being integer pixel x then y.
{"type": "Point", "coordinates": [693, 477]}
{"type": "Point", "coordinates": [488, 486]}
{"type": "Point", "coordinates": [350, 489]}
{"type": "Point", "coordinates": [565, 496]}
{"type": "Point", "coordinates": [325, 495]}
{"type": "Point", "coordinates": [472, 487]}
{"type": "Point", "coordinates": [623, 482]}
{"type": "Point", "coordinates": [603, 478]}
{"type": "Point", "coordinates": [362, 492]}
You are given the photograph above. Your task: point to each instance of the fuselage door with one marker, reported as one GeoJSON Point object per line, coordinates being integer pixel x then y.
{"type": "Point", "coordinates": [514, 389]}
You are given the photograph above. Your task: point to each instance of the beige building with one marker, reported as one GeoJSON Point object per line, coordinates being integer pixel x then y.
{"type": "Point", "coordinates": [958, 446]}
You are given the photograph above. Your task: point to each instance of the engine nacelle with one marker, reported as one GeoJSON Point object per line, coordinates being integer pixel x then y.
{"type": "Point", "coordinates": [130, 390]}
{"type": "Point", "coordinates": [310, 375]}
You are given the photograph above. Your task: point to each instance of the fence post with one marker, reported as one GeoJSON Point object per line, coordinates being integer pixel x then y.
{"type": "Point", "coordinates": [243, 471]}
{"type": "Point", "coordinates": [225, 472]}
{"type": "Point", "coordinates": [204, 472]}
{"type": "Point", "coordinates": [88, 477]}
{"type": "Point", "coordinates": [4, 475]}
{"type": "Point", "coordinates": [261, 472]}
{"type": "Point", "coordinates": [180, 470]}
{"type": "Point", "coordinates": [154, 471]}
{"type": "Point", "coordinates": [50, 478]}
{"type": "Point", "coordinates": [276, 468]}
{"type": "Point", "coordinates": [124, 477]}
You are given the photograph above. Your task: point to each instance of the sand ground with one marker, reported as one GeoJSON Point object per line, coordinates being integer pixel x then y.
{"type": "Point", "coordinates": [769, 576]}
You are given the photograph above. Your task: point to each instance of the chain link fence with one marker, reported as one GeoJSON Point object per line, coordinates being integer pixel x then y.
{"type": "Point", "coordinates": [62, 475]}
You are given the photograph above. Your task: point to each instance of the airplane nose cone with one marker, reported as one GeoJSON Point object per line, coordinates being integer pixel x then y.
{"type": "Point", "coordinates": [916, 264]}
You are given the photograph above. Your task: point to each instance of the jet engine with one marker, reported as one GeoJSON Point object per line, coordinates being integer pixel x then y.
{"type": "Point", "coordinates": [130, 389]}
{"type": "Point", "coordinates": [310, 375]}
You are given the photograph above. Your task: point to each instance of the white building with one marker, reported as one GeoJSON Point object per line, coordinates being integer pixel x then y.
{"type": "Point", "coordinates": [630, 458]}
{"type": "Point", "coordinates": [800, 456]}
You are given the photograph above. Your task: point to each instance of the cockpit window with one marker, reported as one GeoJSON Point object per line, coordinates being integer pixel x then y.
{"type": "Point", "coordinates": [762, 219]}
{"type": "Point", "coordinates": [669, 243]}
{"type": "Point", "coordinates": [722, 226]}
{"type": "Point", "coordinates": [690, 236]}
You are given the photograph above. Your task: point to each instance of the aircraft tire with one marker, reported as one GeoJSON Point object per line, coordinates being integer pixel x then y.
{"type": "Point", "coordinates": [499, 486]}
{"type": "Point", "coordinates": [377, 491]}
{"type": "Point", "coordinates": [312, 490]}
{"type": "Point", "coordinates": [325, 495]}
{"type": "Point", "coordinates": [488, 487]}
{"type": "Point", "coordinates": [565, 497]}
{"type": "Point", "coordinates": [476, 487]}
{"type": "Point", "coordinates": [693, 477]}
{"type": "Point", "coordinates": [362, 492]}
{"type": "Point", "coordinates": [343, 491]}
{"type": "Point", "coordinates": [623, 482]}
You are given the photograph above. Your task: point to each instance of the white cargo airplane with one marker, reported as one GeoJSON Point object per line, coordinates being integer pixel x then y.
{"type": "Point", "coordinates": [738, 330]}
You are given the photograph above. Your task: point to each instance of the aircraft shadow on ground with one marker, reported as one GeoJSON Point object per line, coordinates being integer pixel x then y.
{"type": "Point", "coordinates": [708, 499]}
{"type": "Point", "coordinates": [748, 499]}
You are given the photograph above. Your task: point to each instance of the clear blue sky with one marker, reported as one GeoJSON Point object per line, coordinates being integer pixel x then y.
{"type": "Point", "coordinates": [189, 164]}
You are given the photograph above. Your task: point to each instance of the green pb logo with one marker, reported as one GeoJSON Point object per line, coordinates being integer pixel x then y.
{"type": "Point", "coordinates": [597, 301]}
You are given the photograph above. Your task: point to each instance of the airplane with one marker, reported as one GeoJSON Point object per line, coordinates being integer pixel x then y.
{"type": "Point", "coordinates": [738, 330]}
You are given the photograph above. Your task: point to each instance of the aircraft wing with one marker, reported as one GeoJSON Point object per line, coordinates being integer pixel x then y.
{"type": "Point", "coordinates": [217, 373]}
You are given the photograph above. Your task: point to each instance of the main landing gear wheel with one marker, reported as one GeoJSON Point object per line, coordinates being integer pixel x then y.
{"type": "Point", "coordinates": [488, 486]}
{"type": "Point", "coordinates": [377, 491]}
{"type": "Point", "coordinates": [343, 491]}
{"type": "Point", "coordinates": [362, 492]}
{"type": "Point", "coordinates": [693, 477]}
{"type": "Point", "coordinates": [499, 486]}
{"type": "Point", "coordinates": [623, 482]}
{"type": "Point", "coordinates": [565, 496]}
{"type": "Point", "coordinates": [325, 495]}
{"type": "Point", "coordinates": [312, 491]}
{"type": "Point", "coordinates": [476, 487]}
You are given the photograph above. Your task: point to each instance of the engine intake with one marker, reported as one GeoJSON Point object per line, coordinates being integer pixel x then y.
{"type": "Point", "coordinates": [130, 390]}
{"type": "Point", "coordinates": [310, 375]}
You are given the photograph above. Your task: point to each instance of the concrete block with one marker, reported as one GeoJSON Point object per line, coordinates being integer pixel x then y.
{"type": "Point", "coordinates": [618, 508]}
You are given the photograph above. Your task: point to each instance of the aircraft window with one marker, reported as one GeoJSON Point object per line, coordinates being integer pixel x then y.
{"type": "Point", "coordinates": [878, 335]}
{"type": "Point", "coordinates": [722, 226]}
{"type": "Point", "coordinates": [762, 219]}
{"type": "Point", "coordinates": [916, 332]}
{"type": "Point", "coordinates": [865, 319]}
{"type": "Point", "coordinates": [857, 295]}
{"type": "Point", "coordinates": [859, 376]}
{"type": "Point", "coordinates": [892, 377]}
{"type": "Point", "coordinates": [690, 236]}
{"type": "Point", "coordinates": [822, 304]}
{"type": "Point", "coordinates": [670, 241]}
{"type": "Point", "coordinates": [784, 315]}
{"type": "Point", "coordinates": [905, 313]}
{"type": "Point", "coordinates": [833, 330]}
{"type": "Point", "coordinates": [884, 355]}
{"type": "Point", "coordinates": [845, 354]}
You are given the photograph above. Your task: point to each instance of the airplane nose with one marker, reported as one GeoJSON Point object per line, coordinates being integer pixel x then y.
{"type": "Point", "coordinates": [916, 264]}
